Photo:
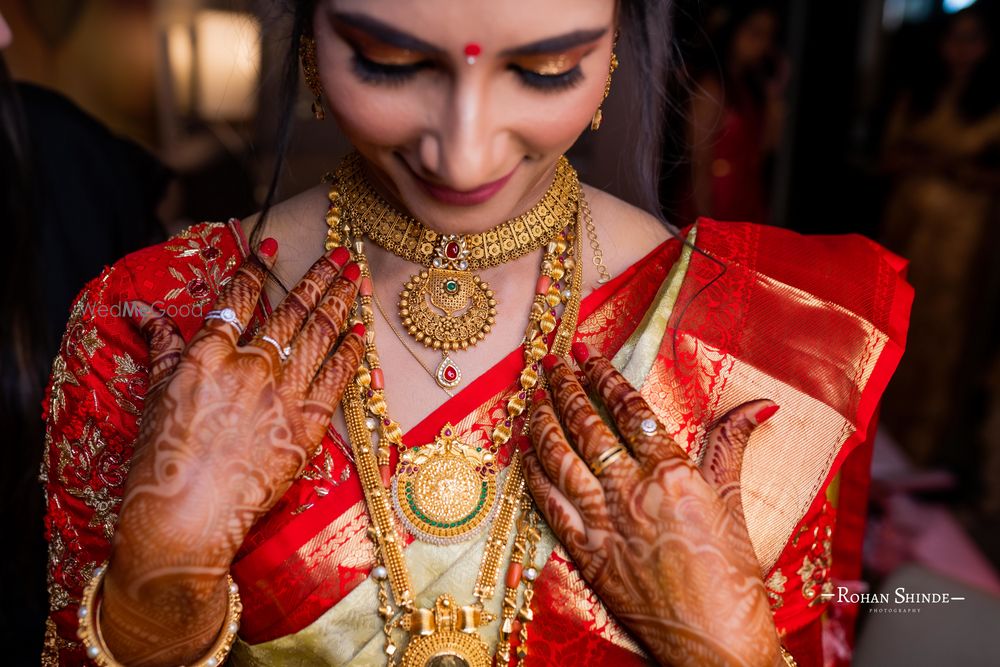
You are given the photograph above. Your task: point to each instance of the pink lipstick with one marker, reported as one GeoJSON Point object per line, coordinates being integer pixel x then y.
{"type": "Point", "coordinates": [472, 197]}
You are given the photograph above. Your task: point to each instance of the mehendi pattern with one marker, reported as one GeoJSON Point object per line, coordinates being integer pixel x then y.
{"type": "Point", "coordinates": [94, 400]}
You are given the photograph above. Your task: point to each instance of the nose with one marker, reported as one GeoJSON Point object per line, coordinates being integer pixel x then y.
{"type": "Point", "coordinates": [464, 149]}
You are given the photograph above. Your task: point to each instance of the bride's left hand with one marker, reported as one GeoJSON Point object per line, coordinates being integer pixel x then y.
{"type": "Point", "coordinates": [661, 540]}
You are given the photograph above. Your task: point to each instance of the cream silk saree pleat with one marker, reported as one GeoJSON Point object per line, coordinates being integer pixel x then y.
{"type": "Point", "coordinates": [350, 633]}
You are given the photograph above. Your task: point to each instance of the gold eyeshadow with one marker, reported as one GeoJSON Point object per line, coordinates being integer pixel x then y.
{"type": "Point", "coordinates": [377, 51]}
{"type": "Point", "coordinates": [552, 64]}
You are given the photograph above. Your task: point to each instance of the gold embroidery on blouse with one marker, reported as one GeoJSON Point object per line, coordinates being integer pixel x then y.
{"type": "Point", "coordinates": [775, 586]}
{"type": "Point", "coordinates": [60, 376]}
{"type": "Point", "coordinates": [129, 379]}
{"type": "Point", "coordinates": [53, 644]}
{"type": "Point", "coordinates": [105, 508]}
{"type": "Point", "coordinates": [209, 275]}
{"type": "Point", "coordinates": [815, 572]}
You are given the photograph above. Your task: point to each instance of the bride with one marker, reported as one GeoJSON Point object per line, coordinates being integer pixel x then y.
{"type": "Point", "coordinates": [452, 406]}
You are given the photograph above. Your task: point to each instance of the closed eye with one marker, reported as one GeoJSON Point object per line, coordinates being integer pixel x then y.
{"type": "Point", "coordinates": [549, 82]}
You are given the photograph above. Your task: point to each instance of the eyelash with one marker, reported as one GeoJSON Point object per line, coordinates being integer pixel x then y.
{"type": "Point", "coordinates": [376, 73]}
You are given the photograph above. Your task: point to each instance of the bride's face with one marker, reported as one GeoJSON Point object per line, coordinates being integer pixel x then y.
{"type": "Point", "coordinates": [463, 145]}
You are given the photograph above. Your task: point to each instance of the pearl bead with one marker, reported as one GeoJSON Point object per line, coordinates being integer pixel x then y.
{"type": "Point", "coordinates": [648, 426]}
{"type": "Point", "coordinates": [93, 652]}
{"type": "Point", "coordinates": [232, 628]}
{"type": "Point", "coordinates": [233, 588]}
{"type": "Point", "coordinates": [82, 612]}
{"type": "Point", "coordinates": [530, 574]}
{"type": "Point", "coordinates": [371, 424]}
{"type": "Point", "coordinates": [211, 662]}
{"type": "Point", "coordinates": [380, 572]}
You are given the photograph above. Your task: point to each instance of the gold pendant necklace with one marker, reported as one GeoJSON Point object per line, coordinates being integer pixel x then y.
{"type": "Point", "coordinates": [447, 307]}
{"type": "Point", "coordinates": [444, 488]}
{"type": "Point", "coordinates": [444, 492]}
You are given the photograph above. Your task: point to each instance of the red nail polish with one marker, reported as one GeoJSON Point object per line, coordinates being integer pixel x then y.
{"type": "Point", "coordinates": [352, 272]}
{"type": "Point", "coordinates": [359, 329]}
{"type": "Point", "coordinates": [539, 395]}
{"type": "Point", "coordinates": [548, 361]}
{"type": "Point", "coordinates": [268, 248]}
{"type": "Point", "coordinates": [764, 414]}
{"type": "Point", "coordinates": [581, 352]}
{"type": "Point", "coordinates": [340, 256]}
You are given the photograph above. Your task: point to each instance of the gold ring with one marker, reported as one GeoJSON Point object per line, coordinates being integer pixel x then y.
{"type": "Point", "coordinates": [600, 463]}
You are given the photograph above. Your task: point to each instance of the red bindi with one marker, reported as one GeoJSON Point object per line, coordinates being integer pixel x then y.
{"type": "Point", "coordinates": [471, 51]}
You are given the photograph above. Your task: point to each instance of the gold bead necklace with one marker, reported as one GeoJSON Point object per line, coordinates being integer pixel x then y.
{"type": "Point", "coordinates": [447, 629]}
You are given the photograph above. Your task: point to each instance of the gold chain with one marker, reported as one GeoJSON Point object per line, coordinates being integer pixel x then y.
{"type": "Point", "coordinates": [409, 239]}
{"type": "Point", "coordinates": [595, 245]}
{"type": "Point", "coordinates": [402, 341]}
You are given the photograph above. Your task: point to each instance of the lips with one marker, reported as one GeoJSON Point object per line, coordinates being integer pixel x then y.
{"type": "Point", "coordinates": [472, 197]}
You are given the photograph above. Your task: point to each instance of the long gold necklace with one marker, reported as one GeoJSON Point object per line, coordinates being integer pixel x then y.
{"type": "Point", "coordinates": [446, 306]}
{"type": "Point", "coordinates": [446, 629]}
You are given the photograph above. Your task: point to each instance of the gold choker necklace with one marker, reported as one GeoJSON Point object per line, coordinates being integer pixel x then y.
{"type": "Point", "coordinates": [446, 490]}
{"type": "Point", "coordinates": [447, 307]}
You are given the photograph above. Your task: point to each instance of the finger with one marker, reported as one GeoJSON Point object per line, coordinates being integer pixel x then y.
{"type": "Point", "coordinates": [590, 436]}
{"type": "Point", "coordinates": [240, 295]}
{"type": "Point", "coordinates": [727, 442]}
{"type": "Point", "coordinates": [632, 415]}
{"type": "Point", "coordinates": [294, 310]}
{"type": "Point", "coordinates": [562, 465]}
{"type": "Point", "coordinates": [561, 515]}
{"type": "Point", "coordinates": [322, 329]}
{"type": "Point", "coordinates": [328, 388]}
{"type": "Point", "coordinates": [165, 344]}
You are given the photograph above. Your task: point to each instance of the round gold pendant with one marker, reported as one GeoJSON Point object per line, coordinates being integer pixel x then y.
{"type": "Point", "coordinates": [450, 648]}
{"type": "Point", "coordinates": [447, 310]}
{"type": "Point", "coordinates": [445, 491]}
{"type": "Point", "coordinates": [446, 636]}
{"type": "Point", "coordinates": [446, 307]}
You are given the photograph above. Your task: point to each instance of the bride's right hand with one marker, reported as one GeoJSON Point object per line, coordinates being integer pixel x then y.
{"type": "Point", "coordinates": [225, 430]}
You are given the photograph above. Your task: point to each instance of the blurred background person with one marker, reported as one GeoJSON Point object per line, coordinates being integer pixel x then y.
{"type": "Point", "coordinates": [73, 198]}
{"type": "Point", "coordinates": [736, 112]}
{"type": "Point", "coordinates": [942, 152]}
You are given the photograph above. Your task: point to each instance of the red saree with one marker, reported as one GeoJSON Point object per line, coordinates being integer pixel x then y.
{"type": "Point", "coordinates": [815, 323]}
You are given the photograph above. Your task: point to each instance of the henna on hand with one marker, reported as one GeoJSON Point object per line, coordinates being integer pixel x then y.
{"type": "Point", "coordinates": [661, 541]}
{"type": "Point", "coordinates": [224, 432]}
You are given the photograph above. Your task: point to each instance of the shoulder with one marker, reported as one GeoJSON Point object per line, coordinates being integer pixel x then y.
{"type": "Point", "coordinates": [625, 232]}
{"type": "Point", "coordinates": [180, 276]}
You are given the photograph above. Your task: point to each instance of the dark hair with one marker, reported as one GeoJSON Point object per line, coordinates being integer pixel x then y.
{"type": "Point", "coordinates": [644, 44]}
{"type": "Point", "coordinates": [24, 365]}
{"type": "Point", "coordinates": [980, 96]}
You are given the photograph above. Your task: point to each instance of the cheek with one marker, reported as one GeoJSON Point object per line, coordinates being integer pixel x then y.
{"type": "Point", "coordinates": [553, 121]}
{"type": "Point", "coordinates": [375, 115]}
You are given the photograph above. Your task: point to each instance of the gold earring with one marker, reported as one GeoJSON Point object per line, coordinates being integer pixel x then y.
{"type": "Point", "coordinates": [307, 54]}
{"type": "Point", "coordinates": [595, 122]}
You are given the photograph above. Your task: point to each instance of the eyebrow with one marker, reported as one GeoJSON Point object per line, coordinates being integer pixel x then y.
{"type": "Point", "coordinates": [557, 43]}
{"type": "Point", "coordinates": [385, 32]}
{"type": "Point", "coordinates": [395, 37]}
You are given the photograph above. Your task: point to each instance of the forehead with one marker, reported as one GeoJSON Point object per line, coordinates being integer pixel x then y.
{"type": "Point", "coordinates": [494, 24]}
